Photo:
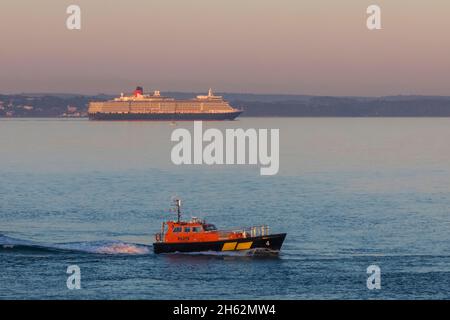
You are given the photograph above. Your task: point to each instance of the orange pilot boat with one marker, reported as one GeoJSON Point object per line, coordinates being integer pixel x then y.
{"type": "Point", "coordinates": [196, 235]}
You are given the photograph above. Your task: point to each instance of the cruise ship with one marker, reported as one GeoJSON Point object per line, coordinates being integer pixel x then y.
{"type": "Point", "coordinates": [140, 106]}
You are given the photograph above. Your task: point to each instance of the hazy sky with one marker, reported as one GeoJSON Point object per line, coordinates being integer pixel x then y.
{"type": "Point", "coordinates": [318, 47]}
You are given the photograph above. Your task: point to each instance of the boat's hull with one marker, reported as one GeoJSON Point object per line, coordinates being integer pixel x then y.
{"type": "Point", "coordinates": [270, 242]}
{"type": "Point", "coordinates": [165, 116]}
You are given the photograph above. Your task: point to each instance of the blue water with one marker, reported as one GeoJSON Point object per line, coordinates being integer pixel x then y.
{"type": "Point", "coordinates": [350, 193]}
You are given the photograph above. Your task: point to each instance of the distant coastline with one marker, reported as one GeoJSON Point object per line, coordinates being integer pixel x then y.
{"type": "Point", "coordinates": [254, 105]}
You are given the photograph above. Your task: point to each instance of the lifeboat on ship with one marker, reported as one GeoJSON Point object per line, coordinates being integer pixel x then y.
{"type": "Point", "coordinates": [197, 235]}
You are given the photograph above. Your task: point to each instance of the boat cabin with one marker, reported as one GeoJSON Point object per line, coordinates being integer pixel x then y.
{"type": "Point", "coordinates": [195, 231]}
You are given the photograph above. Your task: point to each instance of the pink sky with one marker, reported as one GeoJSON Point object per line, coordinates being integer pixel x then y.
{"type": "Point", "coordinates": [257, 46]}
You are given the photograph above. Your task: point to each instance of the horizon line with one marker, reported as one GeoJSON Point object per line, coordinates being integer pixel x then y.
{"type": "Point", "coordinates": [240, 93]}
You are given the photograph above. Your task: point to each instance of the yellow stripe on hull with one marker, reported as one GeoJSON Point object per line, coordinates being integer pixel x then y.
{"type": "Point", "coordinates": [228, 246]}
{"type": "Point", "coordinates": [244, 245]}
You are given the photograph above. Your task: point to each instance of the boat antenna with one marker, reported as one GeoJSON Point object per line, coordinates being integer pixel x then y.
{"type": "Point", "coordinates": [178, 206]}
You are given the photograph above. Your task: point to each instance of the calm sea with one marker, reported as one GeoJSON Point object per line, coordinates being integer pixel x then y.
{"type": "Point", "coordinates": [350, 193]}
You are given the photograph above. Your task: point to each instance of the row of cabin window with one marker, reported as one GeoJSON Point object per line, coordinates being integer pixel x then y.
{"type": "Point", "coordinates": [187, 229]}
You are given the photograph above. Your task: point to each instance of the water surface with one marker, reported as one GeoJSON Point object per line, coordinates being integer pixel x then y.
{"type": "Point", "coordinates": [350, 193]}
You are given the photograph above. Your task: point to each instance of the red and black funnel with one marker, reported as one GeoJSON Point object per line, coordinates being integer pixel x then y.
{"type": "Point", "coordinates": [138, 91]}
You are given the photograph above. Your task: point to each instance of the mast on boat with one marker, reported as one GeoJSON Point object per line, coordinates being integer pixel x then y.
{"type": "Point", "coordinates": [178, 208]}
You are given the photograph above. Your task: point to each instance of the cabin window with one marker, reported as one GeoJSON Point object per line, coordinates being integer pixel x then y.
{"type": "Point", "coordinates": [177, 229]}
{"type": "Point", "coordinates": [187, 229]}
{"type": "Point", "coordinates": [210, 227]}
{"type": "Point", "coordinates": [196, 229]}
